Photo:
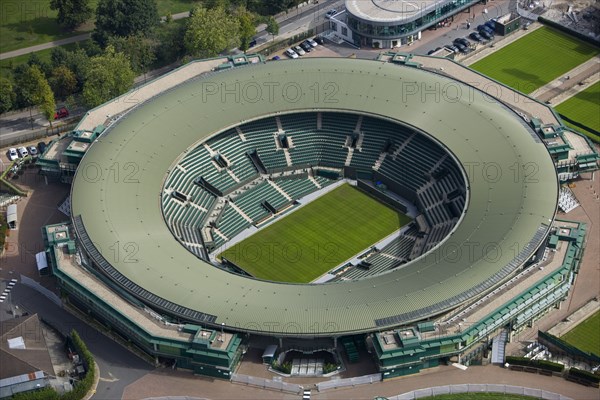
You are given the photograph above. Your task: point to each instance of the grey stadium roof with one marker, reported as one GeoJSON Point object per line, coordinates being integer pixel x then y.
{"type": "Point", "coordinates": [117, 187]}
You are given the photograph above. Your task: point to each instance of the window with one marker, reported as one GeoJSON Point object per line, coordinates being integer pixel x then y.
{"type": "Point", "coordinates": [344, 31]}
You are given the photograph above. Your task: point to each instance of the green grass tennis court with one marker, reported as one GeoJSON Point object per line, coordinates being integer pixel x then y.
{"type": "Point", "coordinates": [585, 335]}
{"type": "Point", "coordinates": [584, 108]}
{"type": "Point", "coordinates": [317, 237]}
{"type": "Point", "coordinates": [535, 59]}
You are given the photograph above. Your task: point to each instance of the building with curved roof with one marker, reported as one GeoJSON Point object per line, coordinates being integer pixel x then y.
{"type": "Point", "coordinates": [387, 23]}
{"type": "Point", "coordinates": [126, 246]}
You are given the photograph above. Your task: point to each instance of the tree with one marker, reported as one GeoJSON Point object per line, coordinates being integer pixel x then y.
{"type": "Point", "coordinates": [33, 90]}
{"type": "Point", "coordinates": [78, 62]}
{"type": "Point", "coordinates": [209, 32]}
{"type": "Point", "coordinates": [7, 95]}
{"type": "Point", "coordinates": [62, 81]}
{"type": "Point", "coordinates": [59, 56]}
{"type": "Point", "coordinates": [124, 18]}
{"type": "Point", "coordinates": [169, 46]}
{"type": "Point", "coordinates": [139, 49]}
{"type": "Point", "coordinates": [247, 29]}
{"type": "Point", "coordinates": [108, 76]}
{"type": "Point", "coordinates": [44, 66]}
{"type": "Point", "coordinates": [272, 27]}
{"type": "Point", "coordinates": [72, 13]}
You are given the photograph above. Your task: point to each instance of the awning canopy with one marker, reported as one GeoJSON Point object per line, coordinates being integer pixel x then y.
{"type": "Point", "coordinates": [41, 260]}
{"type": "Point", "coordinates": [270, 351]}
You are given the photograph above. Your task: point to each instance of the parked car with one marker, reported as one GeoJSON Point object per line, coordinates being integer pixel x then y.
{"type": "Point", "coordinates": [462, 41]}
{"type": "Point", "coordinates": [330, 13]}
{"type": "Point", "coordinates": [32, 151]}
{"type": "Point", "coordinates": [291, 53]}
{"type": "Point", "coordinates": [23, 152]}
{"type": "Point", "coordinates": [61, 113]}
{"type": "Point", "coordinates": [486, 35]}
{"type": "Point", "coordinates": [461, 48]}
{"type": "Point", "coordinates": [476, 37]}
{"type": "Point", "coordinates": [452, 48]}
{"type": "Point", "coordinates": [306, 47]}
{"type": "Point", "coordinates": [485, 28]}
{"type": "Point", "coordinates": [12, 154]}
{"type": "Point", "coordinates": [252, 43]}
{"type": "Point", "coordinates": [41, 147]}
{"type": "Point", "coordinates": [276, 58]}
{"type": "Point", "coordinates": [491, 24]}
{"type": "Point", "coordinates": [319, 40]}
{"type": "Point", "coordinates": [312, 42]}
{"type": "Point", "coordinates": [299, 50]}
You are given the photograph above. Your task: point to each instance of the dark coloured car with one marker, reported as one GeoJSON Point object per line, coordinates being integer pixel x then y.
{"type": "Point", "coordinates": [486, 35]}
{"type": "Point", "coordinates": [452, 48]}
{"type": "Point", "coordinates": [276, 58]}
{"type": "Point", "coordinates": [462, 41]}
{"type": "Point", "coordinates": [306, 46]}
{"type": "Point", "coordinates": [41, 147]}
{"type": "Point", "coordinates": [491, 24]}
{"type": "Point", "coordinates": [461, 47]}
{"type": "Point", "coordinates": [319, 40]}
{"type": "Point", "coordinates": [252, 43]}
{"type": "Point", "coordinates": [476, 37]}
{"type": "Point", "coordinates": [485, 28]}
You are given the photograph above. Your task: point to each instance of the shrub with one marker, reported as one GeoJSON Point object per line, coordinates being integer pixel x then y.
{"type": "Point", "coordinates": [584, 375]}
{"type": "Point", "coordinates": [328, 367]}
{"type": "Point", "coordinates": [285, 367]}
{"type": "Point", "coordinates": [541, 364]}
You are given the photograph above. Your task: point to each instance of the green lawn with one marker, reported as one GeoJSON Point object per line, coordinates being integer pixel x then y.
{"type": "Point", "coordinates": [536, 59]}
{"type": "Point", "coordinates": [584, 107]}
{"type": "Point", "coordinates": [175, 6]}
{"type": "Point", "coordinates": [585, 335]}
{"type": "Point", "coordinates": [319, 236]}
{"type": "Point", "coordinates": [25, 23]}
{"type": "Point", "coordinates": [44, 55]}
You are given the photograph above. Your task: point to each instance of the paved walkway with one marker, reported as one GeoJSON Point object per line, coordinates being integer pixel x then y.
{"type": "Point", "coordinates": [570, 80]}
{"type": "Point", "coordinates": [174, 383]}
{"type": "Point", "coordinates": [44, 46]}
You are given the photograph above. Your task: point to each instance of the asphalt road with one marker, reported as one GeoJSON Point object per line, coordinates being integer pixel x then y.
{"type": "Point", "coordinates": [118, 366]}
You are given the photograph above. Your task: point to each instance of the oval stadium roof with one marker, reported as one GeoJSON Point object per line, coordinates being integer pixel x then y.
{"type": "Point", "coordinates": [117, 187]}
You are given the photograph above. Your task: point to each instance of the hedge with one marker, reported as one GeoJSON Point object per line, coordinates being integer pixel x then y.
{"type": "Point", "coordinates": [584, 375]}
{"type": "Point", "coordinates": [541, 364]}
{"type": "Point", "coordinates": [80, 389]}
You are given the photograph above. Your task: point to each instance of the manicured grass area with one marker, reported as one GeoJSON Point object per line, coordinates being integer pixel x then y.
{"type": "Point", "coordinates": [479, 396]}
{"type": "Point", "coordinates": [44, 55]}
{"type": "Point", "coordinates": [536, 59]}
{"type": "Point", "coordinates": [175, 6]}
{"type": "Point", "coordinates": [585, 335]}
{"type": "Point", "coordinates": [584, 107]}
{"type": "Point", "coordinates": [319, 236]}
{"type": "Point", "coordinates": [25, 23]}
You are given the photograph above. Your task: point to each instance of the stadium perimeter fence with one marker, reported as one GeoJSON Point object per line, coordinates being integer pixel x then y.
{"type": "Point", "coordinates": [480, 388]}
{"type": "Point", "coordinates": [339, 383]}
{"type": "Point", "coordinates": [267, 383]}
